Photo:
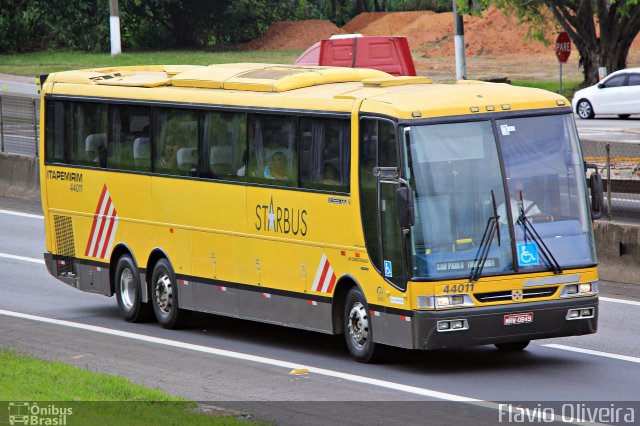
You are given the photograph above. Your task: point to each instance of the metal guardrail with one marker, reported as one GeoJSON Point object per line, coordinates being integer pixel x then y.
{"type": "Point", "coordinates": [619, 165]}
{"type": "Point", "coordinates": [19, 125]}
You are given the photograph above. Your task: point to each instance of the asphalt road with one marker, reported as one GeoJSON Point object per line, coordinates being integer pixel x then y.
{"type": "Point", "coordinates": [245, 366]}
{"type": "Point", "coordinates": [609, 128]}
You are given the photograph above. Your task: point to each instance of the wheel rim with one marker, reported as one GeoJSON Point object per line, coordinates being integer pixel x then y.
{"type": "Point", "coordinates": [358, 325]}
{"type": "Point", "coordinates": [584, 109]}
{"type": "Point", "coordinates": [127, 288]}
{"type": "Point", "coordinates": [164, 293]}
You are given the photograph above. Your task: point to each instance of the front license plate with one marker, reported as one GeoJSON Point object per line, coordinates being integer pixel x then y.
{"type": "Point", "coordinates": [515, 319]}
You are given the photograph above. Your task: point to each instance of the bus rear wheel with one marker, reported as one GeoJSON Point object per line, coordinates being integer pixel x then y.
{"type": "Point", "coordinates": [357, 327]}
{"type": "Point", "coordinates": [129, 292]}
{"type": "Point", "coordinates": [512, 346]}
{"type": "Point", "coordinates": [164, 295]}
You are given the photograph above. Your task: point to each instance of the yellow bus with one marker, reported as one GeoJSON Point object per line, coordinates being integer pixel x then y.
{"type": "Point", "coordinates": [389, 209]}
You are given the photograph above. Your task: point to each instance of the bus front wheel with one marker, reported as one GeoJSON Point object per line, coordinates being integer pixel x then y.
{"type": "Point", "coordinates": [357, 327]}
{"type": "Point", "coordinates": [128, 292]}
{"type": "Point", "coordinates": [164, 295]}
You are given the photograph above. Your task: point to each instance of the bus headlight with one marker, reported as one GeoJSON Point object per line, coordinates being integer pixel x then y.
{"type": "Point", "coordinates": [453, 301]}
{"type": "Point", "coordinates": [444, 301]}
{"type": "Point", "coordinates": [425, 302]}
{"type": "Point", "coordinates": [581, 289]}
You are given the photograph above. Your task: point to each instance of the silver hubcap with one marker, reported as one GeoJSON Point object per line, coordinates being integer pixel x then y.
{"type": "Point", "coordinates": [584, 109]}
{"type": "Point", "coordinates": [127, 289]}
{"type": "Point", "coordinates": [164, 293]}
{"type": "Point", "coordinates": [359, 325]}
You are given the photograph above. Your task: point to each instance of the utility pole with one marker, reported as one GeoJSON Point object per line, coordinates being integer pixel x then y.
{"type": "Point", "coordinates": [114, 25]}
{"type": "Point", "coordinates": [458, 41]}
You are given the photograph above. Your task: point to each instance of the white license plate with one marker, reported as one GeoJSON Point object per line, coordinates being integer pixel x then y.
{"type": "Point", "coordinates": [515, 319]}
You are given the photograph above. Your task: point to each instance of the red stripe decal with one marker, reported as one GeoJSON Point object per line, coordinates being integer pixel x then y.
{"type": "Point", "coordinates": [95, 247]}
{"type": "Point", "coordinates": [332, 283]}
{"type": "Point", "coordinates": [325, 268]}
{"type": "Point", "coordinates": [95, 220]}
{"type": "Point", "coordinates": [106, 240]}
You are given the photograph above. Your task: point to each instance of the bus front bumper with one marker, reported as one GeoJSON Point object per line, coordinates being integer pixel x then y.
{"type": "Point", "coordinates": [488, 325]}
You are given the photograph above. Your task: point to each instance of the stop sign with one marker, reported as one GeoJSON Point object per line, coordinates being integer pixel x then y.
{"type": "Point", "coordinates": [563, 47]}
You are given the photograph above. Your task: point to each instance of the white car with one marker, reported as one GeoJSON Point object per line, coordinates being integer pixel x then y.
{"type": "Point", "coordinates": [618, 94]}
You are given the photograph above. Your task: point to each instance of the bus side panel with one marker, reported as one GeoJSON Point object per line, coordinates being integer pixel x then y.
{"type": "Point", "coordinates": [217, 213]}
{"type": "Point", "coordinates": [392, 329]}
{"type": "Point", "coordinates": [92, 211]}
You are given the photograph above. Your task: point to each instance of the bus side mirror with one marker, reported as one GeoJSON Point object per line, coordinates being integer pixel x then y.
{"type": "Point", "coordinates": [404, 203]}
{"type": "Point", "coordinates": [596, 188]}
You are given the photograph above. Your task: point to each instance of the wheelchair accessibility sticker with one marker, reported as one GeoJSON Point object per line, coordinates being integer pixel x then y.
{"type": "Point", "coordinates": [528, 254]}
{"type": "Point", "coordinates": [388, 269]}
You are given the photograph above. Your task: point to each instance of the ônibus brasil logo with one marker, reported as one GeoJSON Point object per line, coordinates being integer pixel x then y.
{"type": "Point", "coordinates": [26, 413]}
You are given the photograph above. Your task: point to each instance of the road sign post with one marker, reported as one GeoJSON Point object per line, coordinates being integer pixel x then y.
{"type": "Point", "coordinates": [563, 50]}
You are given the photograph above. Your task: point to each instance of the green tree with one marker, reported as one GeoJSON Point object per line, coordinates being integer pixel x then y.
{"type": "Point", "coordinates": [601, 30]}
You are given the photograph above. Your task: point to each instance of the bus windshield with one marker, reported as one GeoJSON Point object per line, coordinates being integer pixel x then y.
{"type": "Point", "coordinates": [455, 172]}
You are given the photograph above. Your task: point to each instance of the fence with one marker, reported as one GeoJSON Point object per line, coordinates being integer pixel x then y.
{"type": "Point", "coordinates": [19, 125]}
{"type": "Point", "coordinates": [619, 165]}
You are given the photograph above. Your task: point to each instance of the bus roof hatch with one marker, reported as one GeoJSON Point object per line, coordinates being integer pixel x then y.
{"type": "Point", "coordinates": [268, 77]}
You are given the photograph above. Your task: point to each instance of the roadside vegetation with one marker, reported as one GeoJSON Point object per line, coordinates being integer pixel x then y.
{"type": "Point", "coordinates": [569, 87]}
{"type": "Point", "coordinates": [95, 398]}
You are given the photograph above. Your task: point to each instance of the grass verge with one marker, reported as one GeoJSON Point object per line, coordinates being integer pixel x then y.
{"type": "Point", "coordinates": [92, 398]}
{"type": "Point", "coordinates": [37, 63]}
{"type": "Point", "coordinates": [569, 87]}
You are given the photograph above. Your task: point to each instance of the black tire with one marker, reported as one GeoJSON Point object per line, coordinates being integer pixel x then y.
{"type": "Point", "coordinates": [584, 109]}
{"type": "Point", "coordinates": [513, 346]}
{"type": "Point", "coordinates": [357, 327]}
{"type": "Point", "coordinates": [624, 116]}
{"type": "Point", "coordinates": [129, 292]}
{"type": "Point", "coordinates": [164, 295]}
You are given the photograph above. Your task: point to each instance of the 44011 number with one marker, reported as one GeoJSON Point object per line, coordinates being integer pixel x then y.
{"type": "Point", "coordinates": [458, 288]}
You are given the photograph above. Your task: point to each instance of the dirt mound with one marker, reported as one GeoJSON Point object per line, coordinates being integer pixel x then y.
{"type": "Point", "coordinates": [294, 35]}
{"type": "Point", "coordinates": [362, 20]}
{"type": "Point", "coordinates": [431, 34]}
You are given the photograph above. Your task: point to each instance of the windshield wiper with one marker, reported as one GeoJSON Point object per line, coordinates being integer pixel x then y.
{"type": "Point", "coordinates": [490, 231]}
{"type": "Point", "coordinates": [527, 226]}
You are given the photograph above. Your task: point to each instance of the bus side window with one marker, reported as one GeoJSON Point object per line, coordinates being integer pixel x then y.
{"type": "Point", "coordinates": [55, 130]}
{"type": "Point", "coordinates": [129, 145]}
{"type": "Point", "coordinates": [225, 141]}
{"type": "Point", "coordinates": [272, 150]}
{"type": "Point", "coordinates": [85, 133]}
{"type": "Point", "coordinates": [176, 142]}
{"type": "Point", "coordinates": [324, 154]}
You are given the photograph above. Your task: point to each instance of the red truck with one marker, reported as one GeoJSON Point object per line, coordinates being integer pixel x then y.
{"type": "Point", "coordinates": [384, 53]}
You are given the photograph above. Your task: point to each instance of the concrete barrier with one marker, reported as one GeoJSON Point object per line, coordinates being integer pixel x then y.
{"type": "Point", "coordinates": [19, 176]}
{"type": "Point", "coordinates": [618, 249]}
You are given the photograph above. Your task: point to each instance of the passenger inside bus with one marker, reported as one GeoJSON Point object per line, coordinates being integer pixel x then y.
{"type": "Point", "coordinates": [331, 175]}
{"type": "Point", "coordinates": [277, 168]}
{"type": "Point", "coordinates": [169, 158]}
{"type": "Point", "coordinates": [530, 208]}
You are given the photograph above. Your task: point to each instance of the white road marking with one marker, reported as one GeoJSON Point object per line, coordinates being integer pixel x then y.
{"type": "Point", "coordinates": [624, 301]}
{"type": "Point", "coordinates": [246, 357]}
{"type": "Point", "coordinates": [23, 258]}
{"type": "Point", "coordinates": [32, 216]}
{"type": "Point", "coordinates": [592, 352]}
{"type": "Point", "coordinates": [538, 415]}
